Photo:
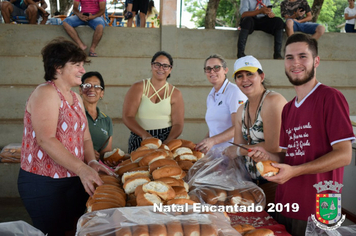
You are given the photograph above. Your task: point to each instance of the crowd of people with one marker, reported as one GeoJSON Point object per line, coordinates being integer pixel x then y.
{"type": "Point", "coordinates": [65, 133]}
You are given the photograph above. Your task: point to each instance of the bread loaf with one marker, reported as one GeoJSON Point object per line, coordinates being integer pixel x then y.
{"type": "Point", "coordinates": [191, 228]}
{"type": "Point", "coordinates": [162, 189]}
{"type": "Point", "coordinates": [147, 199]}
{"type": "Point", "coordinates": [260, 232]}
{"type": "Point", "coordinates": [174, 143]}
{"type": "Point", "coordinates": [167, 171]}
{"type": "Point", "coordinates": [180, 201]}
{"type": "Point", "coordinates": [266, 169]}
{"type": "Point", "coordinates": [188, 144]}
{"type": "Point", "coordinates": [124, 168]}
{"type": "Point", "coordinates": [140, 230]}
{"type": "Point", "coordinates": [123, 231]}
{"type": "Point", "coordinates": [133, 174]}
{"type": "Point", "coordinates": [174, 228]}
{"type": "Point", "coordinates": [137, 155]}
{"type": "Point", "coordinates": [151, 157]}
{"type": "Point", "coordinates": [208, 230]}
{"type": "Point", "coordinates": [157, 230]}
{"type": "Point", "coordinates": [131, 184]}
{"type": "Point", "coordinates": [162, 162]}
{"type": "Point", "coordinates": [114, 156]}
{"type": "Point", "coordinates": [152, 143]}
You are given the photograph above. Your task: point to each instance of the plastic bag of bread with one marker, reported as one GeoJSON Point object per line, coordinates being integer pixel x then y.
{"type": "Point", "coordinates": [11, 153]}
{"type": "Point", "coordinates": [149, 221]}
{"type": "Point", "coordinates": [219, 180]}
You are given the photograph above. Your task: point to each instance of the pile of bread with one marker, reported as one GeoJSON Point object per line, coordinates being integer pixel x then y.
{"type": "Point", "coordinates": [250, 195]}
{"type": "Point", "coordinates": [176, 228]}
{"type": "Point", "coordinates": [11, 153]}
{"type": "Point", "coordinates": [154, 172]}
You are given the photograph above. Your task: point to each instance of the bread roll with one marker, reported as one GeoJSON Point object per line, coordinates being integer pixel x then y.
{"type": "Point", "coordinates": [242, 228]}
{"type": "Point", "coordinates": [235, 197]}
{"type": "Point", "coordinates": [131, 199]}
{"type": "Point", "coordinates": [247, 197]}
{"type": "Point", "coordinates": [131, 184]}
{"type": "Point", "coordinates": [133, 174]}
{"type": "Point", "coordinates": [194, 197]}
{"type": "Point", "coordinates": [174, 228]}
{"type": "Point", "coordinates": [258, 195]}
{"type": "Point", "coordinates": [185, 165]}
{"type": "Point", "coordinates": [152, 143]}
{"type": "Point", "coordinates": [191, 228]}
{"type": "Point", "coordinates": [151, 157]}
{"type": "Point", "coordinates": [125, 162]}
{"type": "Point", "coordinates": [145, 168]}
{"type": "Point", "coordinates": [162, 162]}
{"type": "Point", "coordinates": [188, 144]}
{"type": "Point", "coordinates": [181, 150]}
{"type": "Point", "coordinates": [221, 194]}
{"type": "Point", "coordinates": [117, 196]}
{"type": "Point", "coordinates": [208, 230]}
{"type": "Point", "coordinates": [109, 187]}
{"type": "Point", "coordinates": [157, 230]}
{"type": "Point", "coordinates": [162, 189]}
{"type": "Point", "coordinates": [105, 198]}
{"type": "Point", "coordinates": [147, 199]}
{"type": "Point", "coordinates": [186, 157]}
{"type": "Point", "coordinates": [123, 231]}
{"type": "Point", "coordinates": [167, 171]}
{"type": "Point", "coordinates": [198, 154]}
{"type": "Point", "coordinates": [138, 190]}
{"type": "Point", "coordinates": [260, 232]}
{"type": "Point", "coordinates": [140, 230]}
{"type": "Point", "coordinates": [180, 192]}
{"type": "Point", "coordinates": [114, 156]}
{"type": "Point", "coordinates": [209, 196]}
{"type": "Point", "coordinates": [97, 206]}
{"type": "Point", "coordinates": [180, 201]}
{"type": "Point", "coordinates": [164, 146]}
{"type": "Point", "coordinates": [174, 143]}
{"type": "Point", "coordinates": [108, 179]}
{"type": "Point", "coordinates": [136, 156]}
{"type": "Point", "coordinates": [266, 169]}
{"type": "Point", "coordinates": [172, 181]}
{"type": "Point", "coordinates": [124, 168]}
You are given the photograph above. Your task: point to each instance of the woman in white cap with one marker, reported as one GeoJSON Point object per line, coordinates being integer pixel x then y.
{"type": "Point", "coordinates": [258, 121]}
{"type": "Point", "coordinates": [222, 103]}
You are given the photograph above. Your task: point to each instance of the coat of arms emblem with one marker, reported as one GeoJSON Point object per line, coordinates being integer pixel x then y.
{"type": "Point", "coordinates": [328, 206]}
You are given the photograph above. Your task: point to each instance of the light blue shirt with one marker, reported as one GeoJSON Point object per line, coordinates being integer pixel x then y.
{"type": "Point", "coordinates": [250, 5]}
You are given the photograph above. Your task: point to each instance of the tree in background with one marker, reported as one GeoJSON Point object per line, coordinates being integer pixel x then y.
{"type": "Point", "coordinates": [326, 12]}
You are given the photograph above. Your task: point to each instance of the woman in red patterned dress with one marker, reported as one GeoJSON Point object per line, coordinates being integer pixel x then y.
{"type": "Point", "coordinates": [58, 165]}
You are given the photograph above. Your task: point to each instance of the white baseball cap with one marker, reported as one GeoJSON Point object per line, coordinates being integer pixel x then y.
{"type": "Point", "coordinates": [247, 63]}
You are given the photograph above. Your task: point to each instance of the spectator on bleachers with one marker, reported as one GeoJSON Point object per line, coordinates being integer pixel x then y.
{"type": "Point", "coordinates": [297, 14]}
{"type": "Point", "coordinates": [350, 16]}
{"type": "Point", "coordinates": [90, 14]}
{"type": "Point", "coordinates": [142, 7]}
{"type": "Point", "coordinates": [31, 9]}
{"type": "Point", "coordinates": [258, 15]}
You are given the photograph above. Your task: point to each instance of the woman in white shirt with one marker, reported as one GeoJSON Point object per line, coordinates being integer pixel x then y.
{"type": "Point", "coordinates": [350, 16]}
{"type": "Point", "coordinates": [222, 103]}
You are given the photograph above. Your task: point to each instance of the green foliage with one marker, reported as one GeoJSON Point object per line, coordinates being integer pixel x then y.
{"type": "Point", "coordinates": [331, 15]}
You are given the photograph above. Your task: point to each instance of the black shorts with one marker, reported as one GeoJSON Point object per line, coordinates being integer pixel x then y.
{"type": "Point", "coordinates": [140, 6]}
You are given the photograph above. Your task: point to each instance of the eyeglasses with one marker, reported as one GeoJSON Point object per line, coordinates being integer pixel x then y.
{"type": "Point", "coordinates": [215, 68]}
{"type": "Point", "coordinates": [87, 86]}
{"type": "Point", "coordinates": [158, 65]}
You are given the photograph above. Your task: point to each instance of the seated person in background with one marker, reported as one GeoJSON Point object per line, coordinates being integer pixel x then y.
{"type": "Point", "coordinates": [222, 103]}
{"type": "Point", "coordinates": [153, 107]}
{"type": "Point", "coordinates": [258, 15]}
{"type": "Point", "coordinates": [350, 16]}
{"type": "Point", "coordinates": [297, 14]}
{"type": "Point", "coordinates": [100, 125]}
{"type": "Point", "coordinates": [28, 8]}
{"type": "Point", "coordinates": [91, 14]}
{"type": "Point", "coordinates": [258, 121]}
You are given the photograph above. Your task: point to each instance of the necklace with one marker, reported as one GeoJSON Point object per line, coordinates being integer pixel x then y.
{"type": "Point", "coordinates": [249, 121]}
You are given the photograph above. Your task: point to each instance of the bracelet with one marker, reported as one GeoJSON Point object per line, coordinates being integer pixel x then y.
{"type": "Point", "coordinates": [92, 161]}
{"type": "Point", "coordinates": [238, 152]}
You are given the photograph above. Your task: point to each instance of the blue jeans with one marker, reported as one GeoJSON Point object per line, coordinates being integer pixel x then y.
{"type": "Point", "coordinates": [306, 27]}
{"type": "Point", "coordinates": [74, 21]}
{"type": "Point", "coordinates": [350, 28]}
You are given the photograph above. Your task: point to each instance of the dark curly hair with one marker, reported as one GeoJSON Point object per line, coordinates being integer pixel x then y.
{"type": "Point", "coordinates": [57, 53]}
